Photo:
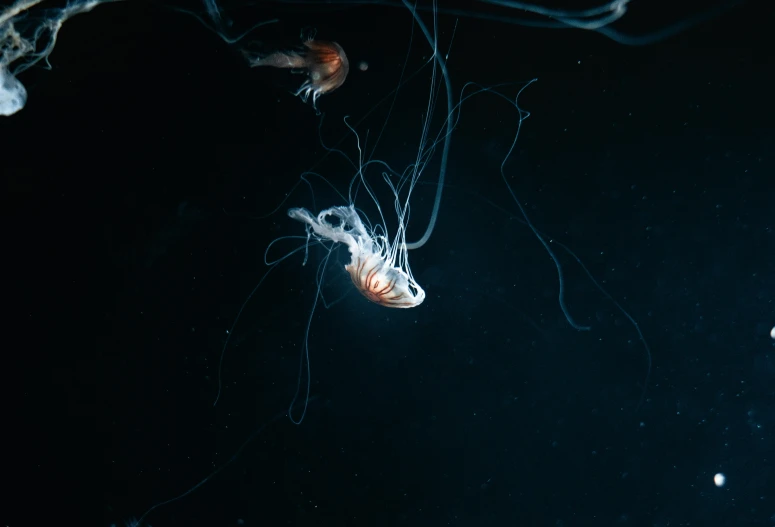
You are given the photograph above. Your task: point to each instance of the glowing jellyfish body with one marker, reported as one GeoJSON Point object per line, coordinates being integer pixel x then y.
{"type": "Point", "coordinates": [719, 480]}
{"type": "Point", "coordinates": [22, 28]}
{"type": "Point", "coordinates": [379, 270]}
{"type": "Point", "coordinates": [12, 93]}
{"type": "Point", "coordinates": [325, 63]}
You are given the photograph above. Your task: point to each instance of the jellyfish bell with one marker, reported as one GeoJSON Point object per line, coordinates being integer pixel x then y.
{"type": "Point", "coordinates": [378, 268]}
{"type": "Point", "coordinates": [13, 94]}
{"type": "Point", "coordinates": [325, 64]}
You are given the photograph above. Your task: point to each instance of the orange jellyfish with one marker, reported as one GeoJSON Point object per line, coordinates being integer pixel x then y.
{"type": "Point", "coordinates": [325, 64]}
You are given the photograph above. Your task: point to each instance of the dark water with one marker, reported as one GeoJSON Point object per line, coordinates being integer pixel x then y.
{"type": "Point", "coordinates": [137, 174]}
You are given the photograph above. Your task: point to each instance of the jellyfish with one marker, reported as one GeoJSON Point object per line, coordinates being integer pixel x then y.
{"type": "Point", "coordinates": [379, 269]}
{"type": "Point", "coordinates": [325, 64]}
{"type": "Point", "coordinates": [22, 27]}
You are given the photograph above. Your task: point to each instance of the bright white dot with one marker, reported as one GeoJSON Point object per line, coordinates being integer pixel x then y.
{"type": "Point", "coordinates": [772, 332]}
{"type": "Point", "coordinates": [719, 479]}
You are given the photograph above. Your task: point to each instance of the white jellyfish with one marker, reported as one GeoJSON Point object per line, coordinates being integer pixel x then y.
{"type": "Point", "coordinates": [23, 27]}
{"type": "Point", "coordinates": [378, 268]}
{"type": "Point", "coordinates": [13, 95]}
